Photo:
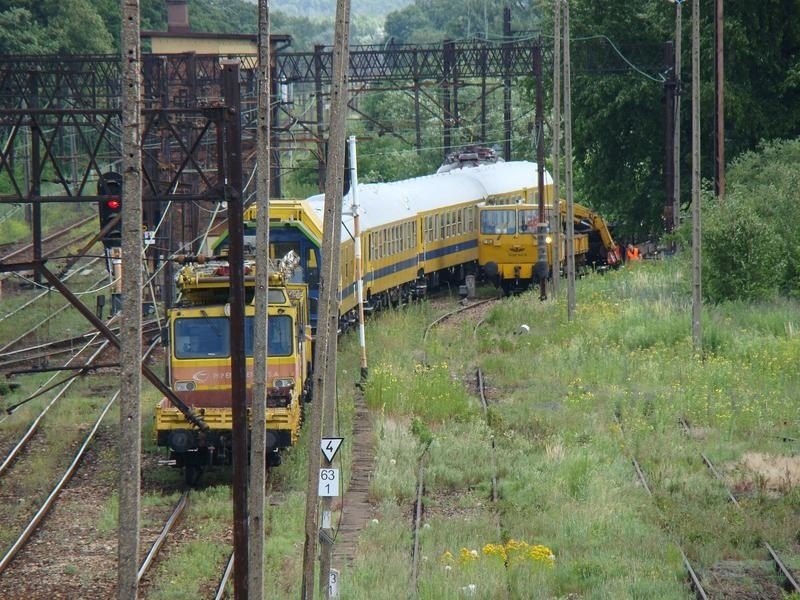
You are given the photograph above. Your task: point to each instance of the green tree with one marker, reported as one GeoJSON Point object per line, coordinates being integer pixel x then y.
{"type": "Point", "coordinates": [60, 26]}
{"type": "Point", "coordinates": [618, 118]}
{"type": "Point", "coordinates": [751, 246]}
{"type": "Point", "coordinates": [19, 34]}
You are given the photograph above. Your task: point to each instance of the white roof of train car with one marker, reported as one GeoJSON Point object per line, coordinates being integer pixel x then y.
{"type": "Point", "coordinates": [382, 203]}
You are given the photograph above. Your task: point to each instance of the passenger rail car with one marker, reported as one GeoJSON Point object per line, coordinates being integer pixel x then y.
{"type": "Point", "coordinates": [199, 365]}
{"type": "Point", "coordinates": [422, 233]}
{"type": "Point", "coordinates": [419, 234]}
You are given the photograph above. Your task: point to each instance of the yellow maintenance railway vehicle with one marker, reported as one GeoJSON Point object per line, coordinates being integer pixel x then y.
{"type": "Point", "coordinates": [199, 363]}
{"type": "Point", "coordinates": [507, 242]}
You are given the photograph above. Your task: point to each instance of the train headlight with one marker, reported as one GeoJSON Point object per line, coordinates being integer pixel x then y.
{"type": "Point", "coordinates": [184, 386]}
{"type": "Point", "coordinates": [283, 383]}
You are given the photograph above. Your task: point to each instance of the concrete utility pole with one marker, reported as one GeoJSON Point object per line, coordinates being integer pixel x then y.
{"type": "Point", "coordinates": [258, 419]}
{"type": "Point", "coordinates": [676, 131]}
{"type": "Point", "coordinates": [233, 194]}
{"type": "Point", "coordinates": [719, 88]}
{"type": "Point", "coordinates": [568, 171]}
{"type": "Point", "coordinates": [541, 267]}
{"type": "Point", "coordinates": [130, 422]}
{"type": "Point", "coordinates": [555, 202]}
{"type": "Point", "coordinates": [697, 298]}
{"type": "Point", "coordinates": [327, 323]}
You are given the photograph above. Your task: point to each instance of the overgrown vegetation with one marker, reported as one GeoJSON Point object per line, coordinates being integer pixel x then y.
{"type": "Point", "coordinates": [566, 482]}
{"type": "Point", "coordinates": [751, 245]}
{"type": "Point", "coordinates": [567, 487]}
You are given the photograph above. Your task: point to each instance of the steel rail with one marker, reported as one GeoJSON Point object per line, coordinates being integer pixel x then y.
{"type": "Point", "coordinates": [455, 312]}
{"type": "Point", "coordinates": [48, 503]}
{"type": "Point", "coordinates": [48, 238]}
{"type": "Point", "coordinates": [791, 584]}
{"type": "Point", "coordinates": [53, 345]}
{"type": "Point", "coordinates": [40, 323]}
{"type": "Point", "coordinates": [418, 507]}
{"type": "Point", "coordinates": [694, 580]}
{"type": "Point", "coordinates": [226, 575]}
{"type": "Point", "coordinates": [485, 406]}
{"type": "Point", "coordinates": [37, 297]}
{"type": "Point", "coordinates": [35, 425]}
{"type": "Point", "coordinates": [65, 478]}
{"type": "Point", "coordinates": [162, 537]}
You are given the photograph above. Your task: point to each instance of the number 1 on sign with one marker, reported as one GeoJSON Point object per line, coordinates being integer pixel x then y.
{"type": "Point", "coordinates": [328, 483]}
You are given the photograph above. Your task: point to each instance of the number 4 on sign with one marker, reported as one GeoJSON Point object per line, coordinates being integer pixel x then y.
{"type": "Point", "coordinates": [330, 446]}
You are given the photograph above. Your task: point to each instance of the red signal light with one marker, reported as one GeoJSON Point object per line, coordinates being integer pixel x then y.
{"type": "Point", "coordinates": [113, 203]}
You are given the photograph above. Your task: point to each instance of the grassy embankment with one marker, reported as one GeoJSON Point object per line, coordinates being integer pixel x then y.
{"type": "Point", "coordinates": [566, 480]}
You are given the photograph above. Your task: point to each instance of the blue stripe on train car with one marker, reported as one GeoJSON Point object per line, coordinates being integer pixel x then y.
{"type": "Point", "coordinates": [452, 249]}
{"type": "Point", "coordinates": [409, 263]}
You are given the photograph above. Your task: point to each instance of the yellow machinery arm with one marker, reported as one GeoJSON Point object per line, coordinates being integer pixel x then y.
{"type": "Point", "coordinates": [584, 213]}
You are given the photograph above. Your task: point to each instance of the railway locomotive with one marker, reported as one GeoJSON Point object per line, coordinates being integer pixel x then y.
{"type": "Point", "coordinates": [199, 369]}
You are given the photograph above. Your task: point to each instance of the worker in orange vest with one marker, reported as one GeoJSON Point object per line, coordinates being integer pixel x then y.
{"type": "Point", "coordinates": [632, 253]}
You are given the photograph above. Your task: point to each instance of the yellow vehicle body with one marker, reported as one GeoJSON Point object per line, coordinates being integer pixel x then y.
{"type": "Point", "coordinates": [508, 243]}
{"type": "Point", "coordinates": [199, 369]}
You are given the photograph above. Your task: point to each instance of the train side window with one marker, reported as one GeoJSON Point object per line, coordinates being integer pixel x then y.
{"type": "Point", "coordinates": [279, 334]}
{"type": "Point", "coordinates": [312, 267]}
{"type": "Point", "coordinates": [527, 220]}
{"type": "Point", "coordinates": [460, 221]}
{"type": "Point", "coordinates": [471, 219]}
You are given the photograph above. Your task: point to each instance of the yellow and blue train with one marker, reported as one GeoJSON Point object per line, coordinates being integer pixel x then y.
{"type": "Point", "coordinates": [417, 234]}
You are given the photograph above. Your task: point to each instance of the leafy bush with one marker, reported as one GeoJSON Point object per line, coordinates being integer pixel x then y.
{"type": "Point", "coordinates": [751, 248]}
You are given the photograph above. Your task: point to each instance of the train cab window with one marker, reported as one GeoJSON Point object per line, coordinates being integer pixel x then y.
{"type": "Point", "coordinates": [279, 335]}
{"type": "Point", "coordinates": [205, 337]}
{"type": "Point", "coordinates": [278, 250]}
{"type": "Point", "coordinates": [312, 267]}
{"type": "Point", "coordinates": [498, 222]}
{"type": "Point", "coordinates": [528, 220]}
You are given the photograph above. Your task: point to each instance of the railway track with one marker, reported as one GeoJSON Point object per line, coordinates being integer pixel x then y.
{"type": "Point", "coordinates": [161, 538]}
{"type": "Point", "coordinates": [51, 243]}
{"type": "Point", "coordinates": [788, 579]}
{"type": "Point", "coordinates": [694, 581]}
{"type": "Point", "coordinates": [419, 505]}
{"type": "Point", "coordinates": [48, 503]}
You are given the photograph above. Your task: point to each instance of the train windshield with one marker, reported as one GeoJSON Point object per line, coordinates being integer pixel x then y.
{"type": "Point", "coordinates": [209, 337]}
{"type": "Point", "coordinates": [495, 222]}
{"type": "Point", "coordinates": [528, 220]}
{"type": "Point", "coordinates": [279, 331]}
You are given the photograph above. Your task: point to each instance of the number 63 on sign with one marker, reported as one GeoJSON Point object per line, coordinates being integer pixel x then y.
{"type": "Point", "coordinates": [328, 485]}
